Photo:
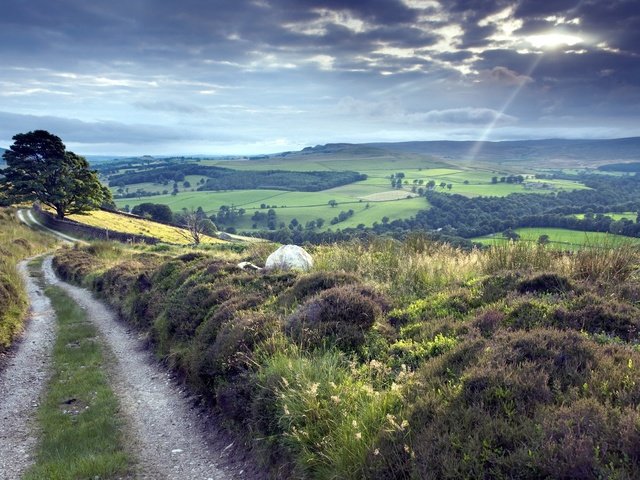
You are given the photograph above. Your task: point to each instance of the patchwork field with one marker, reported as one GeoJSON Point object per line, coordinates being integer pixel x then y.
{"type": "Point", "coordinates": [371, 199]}
{"type": "Point", "coordinates": [615, 216]}
{"type": "Point", "coordinates": [562, 238]}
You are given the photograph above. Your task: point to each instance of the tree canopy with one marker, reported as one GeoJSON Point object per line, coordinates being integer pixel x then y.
{"type": "Point", "coordinates": [39, 167]}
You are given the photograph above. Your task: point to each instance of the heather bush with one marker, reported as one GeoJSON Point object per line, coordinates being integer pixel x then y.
{"type": "Point", "coordinates": [595, 314]}
{"type": "Point", "coordinates": [340, 316]}
{"type": "Point", "coordinates": [514, 362]}
{"type": "Point", "coordinates": [313, 283]}
{"type": "Point", "coordinates": [545, 283]}
{"type": "Point", "coordinates": [516, 407]}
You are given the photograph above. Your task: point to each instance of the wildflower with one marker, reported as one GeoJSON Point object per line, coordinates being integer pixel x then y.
{"type": "Point", "coordinates": [286, 410]}
{"type": "Point", "coordinates": [376, 451]}
{"type": "Point", "coordinates": [335, 399]}
{"type": "Point", "coordinates": [358, 436]}
{"type": "Point", "coordinates": [354, 423]}
{"type": "Point", "coordinates": [313, 389]}
{"type": "Point", "coordinates": [404, 424]}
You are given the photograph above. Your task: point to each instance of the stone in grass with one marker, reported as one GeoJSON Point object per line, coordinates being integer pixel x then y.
{"type": "Point", "coordinates": [289, 257]}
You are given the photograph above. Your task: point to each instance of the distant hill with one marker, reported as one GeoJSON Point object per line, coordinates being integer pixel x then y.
{"type": "Point", "coordinates": [524, 150]}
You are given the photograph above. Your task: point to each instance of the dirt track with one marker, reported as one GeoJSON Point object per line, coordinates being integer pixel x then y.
{"type": "Point", "coordinates": [169, 437]}
{"type": "Point", "coordinates": [22, 381]}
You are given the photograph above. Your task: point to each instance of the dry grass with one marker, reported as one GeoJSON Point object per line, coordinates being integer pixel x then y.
{"type": "Point", "coordinates": [16, 243]}
{"type": "Point", "coordinates": [138, 226]}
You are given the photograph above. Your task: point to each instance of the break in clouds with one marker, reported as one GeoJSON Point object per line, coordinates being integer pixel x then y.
{"type": "Point", "coordinates": [146, 76]}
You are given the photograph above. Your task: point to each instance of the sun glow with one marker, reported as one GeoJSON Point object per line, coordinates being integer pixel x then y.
{"type": "Point", "coordinates": [552, 40]}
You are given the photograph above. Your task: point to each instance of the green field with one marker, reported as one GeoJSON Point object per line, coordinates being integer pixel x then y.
{"type": "Point", "coordinates": [376, 191]}
{"type": "Point", "coordinates": [562, 238]}
{"type": "Point", "coordinates": [614, 216]}
{"type": "Point", "coordinates": [303, 206]}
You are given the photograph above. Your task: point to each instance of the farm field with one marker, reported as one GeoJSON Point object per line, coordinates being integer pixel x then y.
{"type": "Point", "coordinates": [614, 215]}
{"type": "Point", "coordinates": [383, 199]}
{"type": "Point", "coordinates": [122, 223]}
{"type": "Point", "coordinates": [303, 206]}
{"type": "Point", "coordinates": [562, 238]}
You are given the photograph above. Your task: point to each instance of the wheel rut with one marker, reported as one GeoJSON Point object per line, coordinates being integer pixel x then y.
{"type": "Point", "coordinates": [168, 436]}
{"type": "Point", "coordinates": [22, 380]}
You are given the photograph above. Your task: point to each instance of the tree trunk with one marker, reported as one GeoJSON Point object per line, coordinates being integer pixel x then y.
{"type": "Point", "coordinates": [59, 212]}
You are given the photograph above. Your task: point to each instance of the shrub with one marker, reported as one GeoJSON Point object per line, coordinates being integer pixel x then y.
{"type": "Point", "coordinates": [226, 328]}
{"type": "Point", "coordinates": [232, 350]}
{"type": "Point", "coordinates": [523, 405]}
{"type": "Point", "coordinates": [311, 284]}
{"type": "Point", "coordinates": [498, 286]}
{"type": "Point", "coordinates": [545, 283]}
{"type": "Point", "coordinates": [596, 315]}
{"type": "Point", "coordinates": [74, 264]}
{"type": "Point", "coordinates": [339, 316]}
{"type": "Point", "coordinates": [488, 321]}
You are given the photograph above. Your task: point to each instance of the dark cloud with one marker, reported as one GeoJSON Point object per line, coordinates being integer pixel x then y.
{"type": "Point", "coordinates": [77, 131]}
{"type": "Point", "coordinates": [149, 62]}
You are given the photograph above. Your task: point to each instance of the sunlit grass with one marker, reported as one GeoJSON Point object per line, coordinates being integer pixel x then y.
{"type": "Point", "coordinates": [17, 242]}
{"type": "Point", "coordinates": [138, 226]}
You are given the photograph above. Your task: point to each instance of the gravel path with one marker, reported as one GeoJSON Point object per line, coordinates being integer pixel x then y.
{"type": "Point", "coordinates": [171, 438]}
{"type": "Point", "coordinates": [25, 215]}
{"type": "Point", "coordinates": [21, 382]}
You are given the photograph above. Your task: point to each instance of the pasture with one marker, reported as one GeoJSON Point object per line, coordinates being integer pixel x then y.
{"type": "Point", "coordinates": [370, 199]}
{"type": "Point", "coordinates": [138, 226]}
{"type": "Point", "coordinates": [562, 238]}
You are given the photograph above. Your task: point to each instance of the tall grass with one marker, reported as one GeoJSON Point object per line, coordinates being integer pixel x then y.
{"type": "Point", "coordinates": [406, 270]}
{"type": "Point", "coordinates": [330, 411]}
{"type": "Point", "coordinates": [607, 263]}
{"type": "Point", "coordinates": [17, 242]}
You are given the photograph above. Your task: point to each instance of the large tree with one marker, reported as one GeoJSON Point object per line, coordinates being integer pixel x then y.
{"type": "Point", "coordinates": [39, 167]}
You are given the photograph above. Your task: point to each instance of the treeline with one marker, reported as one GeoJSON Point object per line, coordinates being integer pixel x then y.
{"type": "Point", "coordinates": [172, 173]}
{"type": "Point", "coordinates": [457, 218]}
{"type": "Point", "coordinates": [633, 167]}
{"type": "Point", "coordinates": [280, 180]}
{"type": "Point", "coordinates": [219, 178]}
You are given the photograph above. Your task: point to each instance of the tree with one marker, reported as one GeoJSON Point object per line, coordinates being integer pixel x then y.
{"type": "Point", "coordinates": [511, 234]}
{"type": "Point", "coordinates": [196, 225]}
{"type": "Point", "coordinates": [543, 239]}
{"type": "Point", "coordinates": [39, 167]}
{"type": "Point", "coordinates": [333, 203]}
{"type": "Point", "coordinates": [156, 211]}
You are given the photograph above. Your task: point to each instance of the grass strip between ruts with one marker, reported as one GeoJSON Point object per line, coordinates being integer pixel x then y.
{"type": "Point", "coordinates": [81, 430]}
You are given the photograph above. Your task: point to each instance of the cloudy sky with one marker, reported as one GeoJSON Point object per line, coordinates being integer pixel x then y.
{"type": "Point", "coordinates": [251, 76]}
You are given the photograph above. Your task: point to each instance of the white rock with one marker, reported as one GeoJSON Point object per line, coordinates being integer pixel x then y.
{"type": "Point", "coordinates": [289, 257]}
{"type": "Point", "coordinates": [248, 266]}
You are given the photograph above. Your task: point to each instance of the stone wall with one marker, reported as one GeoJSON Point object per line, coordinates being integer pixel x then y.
{"type": "Point", "coordinates": [80, 230]}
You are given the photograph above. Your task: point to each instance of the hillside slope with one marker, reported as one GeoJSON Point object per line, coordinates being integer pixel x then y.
{"type": "Point", "coordinates": [17, 242]}
{"type": "Point", "coordinates": [409, 360]}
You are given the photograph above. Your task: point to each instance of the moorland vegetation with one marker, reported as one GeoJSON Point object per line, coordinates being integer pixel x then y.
{"type": "Point", "coordinates": [17, 242]}
{"type": "Point", "coordinates": [396, 359]}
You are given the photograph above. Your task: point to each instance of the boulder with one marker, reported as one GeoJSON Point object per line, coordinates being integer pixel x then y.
{"type": "Point", "coordinates": [248, 266]}
{"type": "Point", "coordinates": [289, 257]}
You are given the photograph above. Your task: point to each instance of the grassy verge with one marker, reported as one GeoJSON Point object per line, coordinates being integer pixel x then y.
{"type": "Point", "coordinates": [81, 429]}
{"type": "Point", "coordinates": [16, 243]}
